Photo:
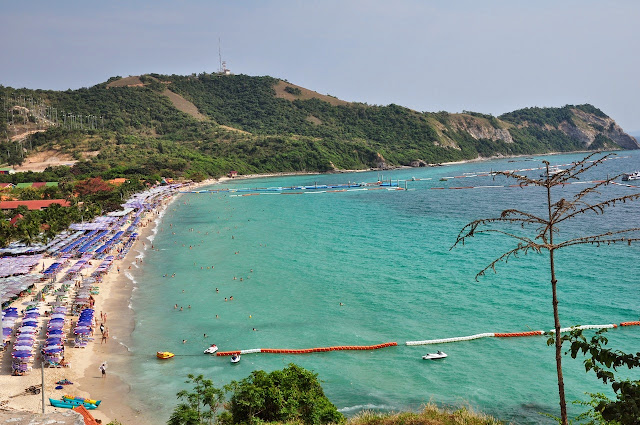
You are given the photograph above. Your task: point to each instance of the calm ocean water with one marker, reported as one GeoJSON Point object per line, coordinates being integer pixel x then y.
{"type": "Point", "coordinates": [386, 256]}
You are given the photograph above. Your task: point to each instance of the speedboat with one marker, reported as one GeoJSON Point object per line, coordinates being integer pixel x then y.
{"type": "Point", "coordinates": [631, 176]}
{"type": "Point", "coordinates": [164, 355]}
{"type": "Point", "coordinates": [211, 349]}
{"type": "Point", "coordinates": [552, 172]}
{"type": "Point", "coordinates": [235, 358]}
{"type": "Point", "coordinates": [434, 356]}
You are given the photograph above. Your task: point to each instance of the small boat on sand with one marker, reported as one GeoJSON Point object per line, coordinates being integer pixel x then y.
{"type": "Point", "coordinates": [235, 358]}
{"type": "Point", "coordinates": [211, 349]}
{"type": "Point", "coordinates": [70, 404]}
{"type": "Point", "coordinates": [435, 356]}
{"type": "Point", "coordinates": [164, 355]}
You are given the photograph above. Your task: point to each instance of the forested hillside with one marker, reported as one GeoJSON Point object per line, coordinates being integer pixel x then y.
{"type": "Point", "coordinates": [239, 122]}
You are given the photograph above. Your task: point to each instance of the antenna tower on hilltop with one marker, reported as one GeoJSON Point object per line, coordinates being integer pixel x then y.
{"type": "Point", "coordinates": [223, 64]}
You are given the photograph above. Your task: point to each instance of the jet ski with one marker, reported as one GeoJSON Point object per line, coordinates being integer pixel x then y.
{"type": "Point", "coordinates": [211, 349]}
{"type": "Point", "coordinates": [434, 356]}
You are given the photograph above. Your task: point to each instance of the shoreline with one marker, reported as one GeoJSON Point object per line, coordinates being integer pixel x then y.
{"type": "Point", "coordinates": [121, 323]}
{"type": "Point", "coordinates": [114, 299]}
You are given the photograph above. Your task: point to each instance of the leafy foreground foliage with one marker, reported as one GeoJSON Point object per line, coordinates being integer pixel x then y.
{"type": "Point", "coordinates": [200, 405]}
{"type": "Point", "coordinates": [291, 394]}
{"type": "Point", "coordinates": [294, 396]}
{"type": "Point", "coordinates": [625, 409]}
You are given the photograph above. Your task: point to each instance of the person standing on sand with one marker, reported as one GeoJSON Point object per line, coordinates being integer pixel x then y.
{"type": "Point", "coordinates": [105, 336]}
{"type": "Point", "coordinates": [103, 369]}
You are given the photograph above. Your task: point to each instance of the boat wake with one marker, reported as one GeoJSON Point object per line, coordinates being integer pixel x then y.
{"type": "Point", "coordinates": [360, 407]}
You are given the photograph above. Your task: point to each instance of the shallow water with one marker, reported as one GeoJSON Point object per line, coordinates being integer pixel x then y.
{"type": "Point", "coordinates": [386, 256]}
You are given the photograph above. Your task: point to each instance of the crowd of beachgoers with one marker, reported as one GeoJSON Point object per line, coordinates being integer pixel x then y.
{"type": "Point", "coordinates": [50, 295]}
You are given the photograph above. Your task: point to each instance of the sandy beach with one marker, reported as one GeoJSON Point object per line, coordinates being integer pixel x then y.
{"type": "Point", "coordinates": [113, 300]}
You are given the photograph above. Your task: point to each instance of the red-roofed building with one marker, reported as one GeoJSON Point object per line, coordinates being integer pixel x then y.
{"type": "Point", "coordinates": [33, 205]}
{"type": "Point", "coordinates": [15, 219]}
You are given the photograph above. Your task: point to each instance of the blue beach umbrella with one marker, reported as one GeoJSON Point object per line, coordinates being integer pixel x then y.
{"type": "Point", "coordinates": [56, 320]}
{"type": "Point", "coordinates": [29, 323]}
{"type": "Point", "coordinates": [21, 354]}
{"type": "Point", "coordinates": [27, 329]}
{"type": "Point", "coordinates": [53, 341]}
{"type": "Point", "coordinates": [17, 348]}
{"type": "Point", "coordinates": [82, 331]}
{"type": "Point", "coordinates": [6, 331]}
{"type": "Point", "coordinates": [55, 332]}
{"type": "Point", "coordinates": [52, 350]}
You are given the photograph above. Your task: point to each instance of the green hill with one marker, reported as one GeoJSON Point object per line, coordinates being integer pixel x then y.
{"type": "Point", "coordinates": [208, 124]}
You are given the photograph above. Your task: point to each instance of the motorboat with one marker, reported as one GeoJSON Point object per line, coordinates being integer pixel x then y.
{"type": "Point", "coordinates": [211, 349]}
{"type": "Point", "coordinates": [434, 356]}
{"type": "Point", "coordinates": [631, 176]}
{"type": "Point", "coordinates": [235, 358]}
{"type": "Point", "coordinates": [164, 355]}
{"type": "Point", "coordinates": [552, 172]}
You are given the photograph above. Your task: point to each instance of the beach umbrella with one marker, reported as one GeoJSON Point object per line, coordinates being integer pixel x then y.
{"type": "Point", "coordinates": [82, 331]}
{"type": "Point", "coordinates": [56, 319]}
{"type": "Point", "coordinates": [29, 323]}
{"type": "Point", "coordinates": [58, 303]}
{"type": "Point", "coordinates": [55, 332]}
{"type": "Point", "coordinates": [22, 347]}
{"type": "Point", "coordinates": [53, 341]}
{"type": "Point", "coordinates": [27, 330]}
{"type": "Point", "coordinates": [54, 349]}
{"type": "Point", "coordinates": [21, 354]}
{"type": "Point", "coordinates": [58, 316]}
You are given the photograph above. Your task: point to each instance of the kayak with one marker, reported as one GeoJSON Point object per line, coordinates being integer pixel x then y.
{"type": "Point", "coordinates": [164, 355]}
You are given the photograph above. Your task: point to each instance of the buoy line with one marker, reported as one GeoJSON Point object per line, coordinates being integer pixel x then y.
{"type": "Point", "coordinates": [423, 342]}
{"type": "Point", "coordinates": [308, 350]}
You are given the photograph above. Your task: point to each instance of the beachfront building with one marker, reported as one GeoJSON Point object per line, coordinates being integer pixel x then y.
{"type": "Point", "coordinates": [33, 205]}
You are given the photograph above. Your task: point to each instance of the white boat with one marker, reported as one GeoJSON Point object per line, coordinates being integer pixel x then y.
{"type": "Point", "coordinates": [211, 349]}
{"type": "Point", "coordinates": [552, 172]}
{"type": "Point", "coordinates": [235, 358]}
{"type": "Point", "coordinates": [434, 356]}
{"type": "Point", "coordinates": [631, 176]}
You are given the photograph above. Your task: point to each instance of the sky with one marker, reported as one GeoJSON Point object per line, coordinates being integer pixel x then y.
{"type": "Point", "coordinates": [490, 56]}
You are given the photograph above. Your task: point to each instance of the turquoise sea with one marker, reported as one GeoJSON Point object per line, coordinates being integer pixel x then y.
{"type": "Point", "coordinates": [289, 261]}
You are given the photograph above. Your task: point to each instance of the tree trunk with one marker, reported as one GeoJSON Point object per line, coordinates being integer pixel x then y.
{"type": "Point", "coordinates": [556, 317]}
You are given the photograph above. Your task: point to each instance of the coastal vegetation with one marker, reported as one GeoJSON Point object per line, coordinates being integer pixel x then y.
{"type": "Point", "coordinates": [536, 232]}
{"type": "Point", "coordinates": [625, 409]}
{"type": "Point", "coordinates": [293, 396]}
{"type": "Point", "coordinates": [212, 124]}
